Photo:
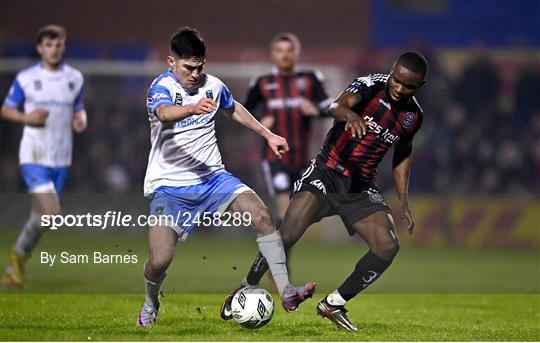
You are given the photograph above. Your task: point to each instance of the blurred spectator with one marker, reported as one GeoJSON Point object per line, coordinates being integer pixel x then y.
{"type": "Point", "coordinates": [479, 85]}
{"type": "Point", "coordinates": [468, 143]}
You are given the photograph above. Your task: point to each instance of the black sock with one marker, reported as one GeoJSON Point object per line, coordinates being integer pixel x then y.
{"type": "Point", "coordinates": [259, 267]}
{"type": "Point", "coordinates": [257, 270]}
{"type": "Point", "coordinates": [368, 269]}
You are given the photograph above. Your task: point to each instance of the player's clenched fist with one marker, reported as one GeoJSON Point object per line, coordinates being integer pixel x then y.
{"type": "Point", "coordinates": [205, 106]}
{"type": "Point", "coordinates": [37, 117]}
{"type": "Point", "coordinates": [278, 144]}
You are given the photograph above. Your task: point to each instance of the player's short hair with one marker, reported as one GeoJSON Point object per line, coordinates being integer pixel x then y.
{"type": "Point", "coordinates": [187, 43]}
{"type": "Point", "coordinates": [414, 61]}
{"type": "Point", "coordinates": [52, 32]}
{"type": "Point", "coordinates": [286, 37]}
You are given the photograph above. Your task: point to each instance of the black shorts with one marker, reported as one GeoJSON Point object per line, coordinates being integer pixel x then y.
{"type": "Point", "coordinates": [340, 195]}
{"type": "Point", "coordinates": [278, 177]}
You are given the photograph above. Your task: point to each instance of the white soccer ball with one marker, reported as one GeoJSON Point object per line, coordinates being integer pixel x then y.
{"type": "Point", "coordinates": [252, 307]}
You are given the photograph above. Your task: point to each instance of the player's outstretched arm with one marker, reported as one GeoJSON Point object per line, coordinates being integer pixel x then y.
{"type": "Point", "coordinates": [401, 164]}
{"type": "Point", "coordinates": [80, 121]}
{"type": "Point", "coordinates": [170, 113]}
{"type": "Point", "coordinates": [341, 111]}
{"type": "Point", "coordinates": [239, 114]}
{"type": "Point", "coordinates": [35, 118]}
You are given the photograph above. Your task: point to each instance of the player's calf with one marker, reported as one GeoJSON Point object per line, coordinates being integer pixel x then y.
{"type": "Point", "coordinates": [162, 241]}
{"type": "Point", "coordinates": [156, 266]}
{"type": "Point", "coordinates": [368, 269]}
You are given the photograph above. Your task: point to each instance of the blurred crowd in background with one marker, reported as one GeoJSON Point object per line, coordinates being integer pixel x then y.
{"type": "Point", "coordinates": [481, 131]}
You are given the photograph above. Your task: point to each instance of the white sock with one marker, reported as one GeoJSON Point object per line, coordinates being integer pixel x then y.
{"type": "Point", "coordinates": [335, 299]}
{"type": "Point", "coordinates": [152, 287]}
{"type": "Point", "coordinates": [271, 247]}
{"type": "Point", "coordinates": [29, 237]}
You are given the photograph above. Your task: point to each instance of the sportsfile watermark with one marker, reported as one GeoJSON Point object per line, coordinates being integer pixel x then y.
{"type": "Point", "coordinates": [119, 219]}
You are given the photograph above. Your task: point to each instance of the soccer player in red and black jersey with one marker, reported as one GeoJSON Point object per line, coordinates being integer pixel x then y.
{"type": "Point", "coordinates": [372, 114]}
{"type": "Point", "coordinates": [291, 99]}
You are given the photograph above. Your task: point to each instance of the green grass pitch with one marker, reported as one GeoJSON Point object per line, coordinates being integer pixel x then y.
{"type": "Point", "coordinates": [428, 294]}
{"type": "Point", "coordinates": [380, 317]}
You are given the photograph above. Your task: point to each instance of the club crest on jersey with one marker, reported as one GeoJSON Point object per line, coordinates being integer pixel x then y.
{"type": "Point", "coordinates": [376, 198]}
{"type": "Point", "coordinates": [178, 99]}
{"type": "Point", "coordinates": [71, 85]}
{"type": "Point", "coordinates": [210, 94]}
{"type": "Point", "coordinates": [409, 118]}
{"type": "Point", "coordinates": [37, 85]}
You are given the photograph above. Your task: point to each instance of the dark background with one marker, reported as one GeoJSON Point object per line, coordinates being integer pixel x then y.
{"type": "Point", "coordinates": [481, 133]}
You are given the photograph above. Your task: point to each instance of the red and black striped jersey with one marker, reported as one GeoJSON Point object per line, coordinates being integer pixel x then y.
{"type": "Point", "coordinates": [390, 122]}
{"type": "Point", "coordinates": [280, 95]}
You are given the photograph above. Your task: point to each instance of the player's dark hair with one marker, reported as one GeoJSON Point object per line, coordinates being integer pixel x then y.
{"type": "Point", "coordinates": [187, 43]}
{"type": "Point", "coordinates": [414, 61]}
{"type": "Point", "coordinates": [52, 32]}
{"type": "Point", "coordinates": [286, 37]}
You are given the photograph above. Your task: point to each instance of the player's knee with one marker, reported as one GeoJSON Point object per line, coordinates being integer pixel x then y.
{"type": "Point", "coordinates": [54, 210]}
{"type": "Point", "coordinates": [158, 264]}
{"type": "Point", "coordinates": [385, 245]}
{"type": "Point", "coordinates": [262, 221]}
{"type": "Point", "coordinates": [386, 249]}
{"type": "Point", "coordinates": [51, 209]}
{"type": "Point", "coordinates": [392, 249]}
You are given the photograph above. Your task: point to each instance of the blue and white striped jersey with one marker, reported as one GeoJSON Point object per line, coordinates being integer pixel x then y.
{"type": "Point", "coordinates": [185, 152]}
{"type": "Point", "coordinates": [60, 92]}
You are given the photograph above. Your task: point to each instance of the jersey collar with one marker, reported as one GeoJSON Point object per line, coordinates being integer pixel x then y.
{"type": "Point", "coordinates": [190, 92]}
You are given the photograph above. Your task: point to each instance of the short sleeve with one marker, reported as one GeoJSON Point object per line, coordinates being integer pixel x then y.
{"type": "Point", "coordinates": [226, 101]}
{"type": "Point", "coordinates": [254, 96]}
{"type": "Point", "coordinates": [366, 86]}
{"type": "Point", "coordinates": [158, 95]}
{"type": "Point", "coordinates": [418, 124]}
{"type": "Point", "coordinates": [319, 93]}
{"type": "Point", "coordinates": [79, 100]}
{"type": "Point", "coordinates": [15, 97]}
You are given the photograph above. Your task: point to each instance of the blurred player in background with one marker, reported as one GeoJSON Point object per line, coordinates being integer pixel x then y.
{"type": "Point", "coordinates": [291, 99]}
{"type": "Point", "coordinates": [47, 98]}
{"type": "Point", "coordinates": [185, 173]}
{"type": "Point", "coordinates": [372, 114]}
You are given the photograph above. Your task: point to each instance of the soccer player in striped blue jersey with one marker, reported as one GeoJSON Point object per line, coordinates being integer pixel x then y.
{"type": "Point", "coordinates": [47, 98]}
{"type": "Point", "coordinates": [185, 176]}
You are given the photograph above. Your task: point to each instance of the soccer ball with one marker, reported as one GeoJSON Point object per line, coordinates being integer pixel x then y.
{"type": "Point", "coordinates": [252, 307]}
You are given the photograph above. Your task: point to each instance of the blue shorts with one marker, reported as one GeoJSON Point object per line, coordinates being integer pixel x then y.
{"type": "Point", "coordinates": [188, 203]}
{"type": "Point", "coordinates": [42, 179]}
